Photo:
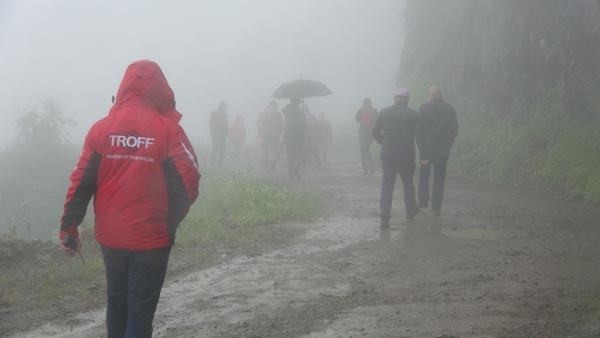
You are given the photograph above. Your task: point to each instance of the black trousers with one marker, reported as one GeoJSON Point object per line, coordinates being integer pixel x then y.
{"type": "Point", "coordinates": [391, 169]}
{"type": "Point", "coordinates": [365, 139]}
{"type": "Point", "coordinates": [295, 154]}
{"type": "Point", "coordinates": [218, 151]}
{"type": "Point", "coordinates": [133, 284]}
{"type": "Point", "coordinates": [439, 179]}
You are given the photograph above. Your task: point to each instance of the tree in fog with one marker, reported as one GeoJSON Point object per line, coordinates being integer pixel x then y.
{"type": "Point", "coordinates": [34, 170]}
{"type": "Point", "coordinates": [44, 127]}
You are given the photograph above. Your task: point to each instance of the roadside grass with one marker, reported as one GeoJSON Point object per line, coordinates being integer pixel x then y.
{"type": "Point", "coordinates": [230, 207]}
{"type": "Point", "coordinates": [233, 215]}
{"type": "Point", "coordinates": [542, 147]}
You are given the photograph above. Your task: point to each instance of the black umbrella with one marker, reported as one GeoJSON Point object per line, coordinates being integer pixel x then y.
{"type": "Point", "coordinates": [301, 89]}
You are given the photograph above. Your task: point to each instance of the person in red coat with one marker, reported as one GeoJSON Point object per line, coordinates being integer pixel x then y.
{"type": "Point", "coordinates": [366, 117]}
{"type": "Point", "coordinates": [142, 171]}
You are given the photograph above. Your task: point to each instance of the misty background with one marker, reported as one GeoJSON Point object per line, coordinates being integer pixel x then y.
{"type": "Point", "coordinates": [514, 254]}
{"type": "Point", "coordinates": [239, 51]}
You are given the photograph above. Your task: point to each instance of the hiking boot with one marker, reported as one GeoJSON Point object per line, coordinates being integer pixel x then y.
{"type": "Point", "coordinates": [385, 222]}
{"type": "Point", "coordinates": [436, 213]}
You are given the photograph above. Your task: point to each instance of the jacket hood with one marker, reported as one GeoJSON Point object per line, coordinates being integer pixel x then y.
{"type": "Point", "coordinates": [145, 83]}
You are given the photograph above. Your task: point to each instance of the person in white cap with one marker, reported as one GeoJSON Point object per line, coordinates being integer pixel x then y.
{"type": "Point", "coordinates": [395, 131]}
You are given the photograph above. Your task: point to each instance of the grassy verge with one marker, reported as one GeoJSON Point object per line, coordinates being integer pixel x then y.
{"type": "Point", "coordinates": [233, 215]}
{"type": "Point", "coordinates": [232, 210]}
{"type": "Point", "coordinates": [543, 148]}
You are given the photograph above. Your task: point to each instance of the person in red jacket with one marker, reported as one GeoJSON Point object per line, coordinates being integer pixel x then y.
{"type": "Point", "coordinates": [366, 117]}
{"type": "Point", "coordinates": [140, 167]}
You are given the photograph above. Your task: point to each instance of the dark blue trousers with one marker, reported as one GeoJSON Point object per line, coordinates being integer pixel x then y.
{"type": "Point", "coordinates": [217, 154]}
{"type": "Point", "coordinates": [439, 179]}
{"type": "Point", "coordinates": [134, 280]}
{"type": "Point", "coordinates": [391, 170]}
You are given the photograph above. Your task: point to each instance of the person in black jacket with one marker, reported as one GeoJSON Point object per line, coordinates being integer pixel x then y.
{"type": "Point", "coordinates": [436, 130]}
{"type": "Point", "coordinates": [395, 131]}
{"type": "Point", "coordinates": [293, 135]}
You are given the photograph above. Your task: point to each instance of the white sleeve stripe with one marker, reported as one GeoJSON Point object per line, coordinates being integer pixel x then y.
{"type": "Point", "coordinates": [189, 154]}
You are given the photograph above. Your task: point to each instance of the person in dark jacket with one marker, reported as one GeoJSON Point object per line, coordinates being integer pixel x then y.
{"type": "Point", "coordinates": [366, 117]}
{"type": "Point", "coordinates": [395, 131]}
{"type": "Point", "coordinates": [219, 131]}
{"type": "Point", "coordinates": [295, 127]}
{"type": "Point", "coordinates": [141, 169]}
{"type": "Point", "coordinates": [436, 130]}
{"type": "Point", "coordinates": [270, 127]}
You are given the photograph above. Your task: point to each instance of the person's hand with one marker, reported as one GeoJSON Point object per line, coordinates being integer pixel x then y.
{"type": "Point", "coordinates": [424, 162]}
{"type": "Point", "coordinates": [69, 241]}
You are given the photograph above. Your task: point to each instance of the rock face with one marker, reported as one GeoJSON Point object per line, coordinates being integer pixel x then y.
{"type": "Point", "coordinates": [501, 50]}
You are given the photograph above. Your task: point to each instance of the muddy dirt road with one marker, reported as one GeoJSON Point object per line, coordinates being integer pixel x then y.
{"type": "Point", "coordinates": [495, 264]}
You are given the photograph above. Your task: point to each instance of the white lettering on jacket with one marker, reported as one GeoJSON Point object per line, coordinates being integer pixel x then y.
{"type": "Point", "coordinates": [131, 141]}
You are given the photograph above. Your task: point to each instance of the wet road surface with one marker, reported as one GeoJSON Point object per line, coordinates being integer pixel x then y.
{"type": "Point", "coordinates": [496, 263]}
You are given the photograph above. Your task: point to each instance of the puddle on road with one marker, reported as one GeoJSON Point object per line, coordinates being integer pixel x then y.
{"type": "Point", "coordinates": [406, 320]}
{"type": "Point", "coordinates": [236, 291]}
{"type": "Point", "coordinates": [340, 232]}
{"type": "Point", "coordinates": [474, 233]}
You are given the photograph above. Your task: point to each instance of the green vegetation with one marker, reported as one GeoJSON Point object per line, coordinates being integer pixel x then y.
{"type": "Point", "coordinates": [233, 208]}
{"type": "Point", "coordinates": [233, 215]}
{"type": "Point", "coordinates": [36, 275]}
{"type": "Point", "coordinates": [542, 148]}
{"type": "Point", "coordinates": [524, 78]}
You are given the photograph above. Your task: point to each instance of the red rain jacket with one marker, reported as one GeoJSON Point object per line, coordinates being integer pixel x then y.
{"type": "Point", "coordinates": [138, 164]}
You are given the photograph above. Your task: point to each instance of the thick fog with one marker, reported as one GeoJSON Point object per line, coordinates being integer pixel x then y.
{"type": "Point", "coordinates": [75, 52]}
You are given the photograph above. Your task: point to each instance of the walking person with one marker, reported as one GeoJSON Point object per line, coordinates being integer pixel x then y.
{"type": "Point", "coordinates": [436, 130]}
{"type": "Point", "coordinates": [270, 127]}
{"type": "Point", "coordinates": [366, 117]}
{"type": "Point", "coordinates": [295, 126]}
{"type": "Point", "coordinates": [140, 167]}
{"type": "Point", "coordinates": [395, 131]}
{"type": "Point", "coordinates": [219, 131]}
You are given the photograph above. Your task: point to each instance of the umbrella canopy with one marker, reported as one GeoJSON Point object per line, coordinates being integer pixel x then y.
{"type": "Point", "coordinates": [301, 89]}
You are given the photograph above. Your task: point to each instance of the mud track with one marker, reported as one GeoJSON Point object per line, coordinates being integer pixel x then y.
{"type": "Point", "coordinates": [496, 264]}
